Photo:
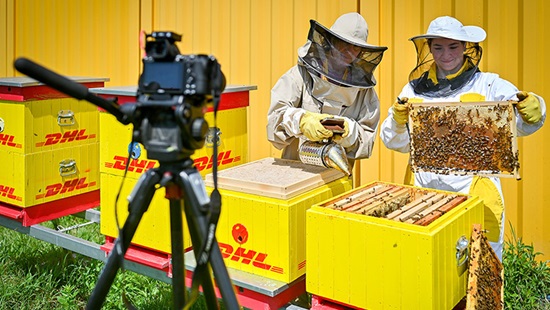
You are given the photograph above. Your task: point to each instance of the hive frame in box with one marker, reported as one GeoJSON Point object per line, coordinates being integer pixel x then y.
{"type": "Point", "coordinates": [464, 138]}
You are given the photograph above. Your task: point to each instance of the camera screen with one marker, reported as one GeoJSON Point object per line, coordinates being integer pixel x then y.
{"type": "Point", "coordinates": [168, 75]}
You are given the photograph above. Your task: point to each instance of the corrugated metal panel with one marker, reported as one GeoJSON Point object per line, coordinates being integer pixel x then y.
{"type": "Point", "coordinates": [256, 42]}
{"type": "Point", "coordinates": [87, 38]}
{"type": "Point", "coordinates": [532, 202]}
{"type": "Point", "coordinates": [6, 37]}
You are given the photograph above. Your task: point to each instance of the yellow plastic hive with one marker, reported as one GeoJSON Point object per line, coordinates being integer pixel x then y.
{"type": "Point", "coordinates": [153, 231]}
{"type": "Point", "coordinates": [45, 125]}
{"type": "Point", "coordinates": [377, 263]}
{"type": "Point", "coordinates": [266, 236]}
{"type": "Point", "coordinates": [232, 147]}
{"type": "Point", "coordinates": [36, 178]}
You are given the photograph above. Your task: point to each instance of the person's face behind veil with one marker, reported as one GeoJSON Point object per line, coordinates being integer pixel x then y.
{"type": "Point", "coordinates": [448, 55]}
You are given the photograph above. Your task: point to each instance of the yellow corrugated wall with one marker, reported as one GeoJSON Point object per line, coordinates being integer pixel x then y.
{"type": "Point", "coordinates": [255, 41]}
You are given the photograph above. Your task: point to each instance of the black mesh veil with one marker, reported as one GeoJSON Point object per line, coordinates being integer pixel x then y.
{"type": "Point", "coordinates": [340, 60]}
{"type": "Point", "coordinates": [419, 76]}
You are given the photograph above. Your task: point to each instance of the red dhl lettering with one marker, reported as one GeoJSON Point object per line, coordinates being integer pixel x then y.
{"type": "Point", "coordinates": [139, 166]}
{"type": "Point", "coordinates": [8, 140]}
{"type": "Point", "coordinates": [247, 256]}
{"type": "Point", "coordinates": [136, 165]}
{"type": "Point", "coordinates": [7, 191]}
{"type": "Point", "coordinates": [224, 158]}
{"type": "Point", "coordinates": [66, 137]}
{"type": "Point", "coordinates": [68, 186]}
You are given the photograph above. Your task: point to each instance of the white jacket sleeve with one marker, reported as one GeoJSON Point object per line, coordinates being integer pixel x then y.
{"type": "Point", "coordinates": [283, 117]}
{"type": "Point", "coordinates": [396, 136]}
{"type": "Point", "coordinates": [502, 90]}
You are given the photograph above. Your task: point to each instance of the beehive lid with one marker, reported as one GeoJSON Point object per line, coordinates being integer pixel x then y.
{"type": "Point", "coordinates": [274, 177]}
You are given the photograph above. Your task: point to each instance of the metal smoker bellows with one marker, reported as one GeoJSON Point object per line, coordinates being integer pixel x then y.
{"type": "Point", "coordinates": [330, 155]}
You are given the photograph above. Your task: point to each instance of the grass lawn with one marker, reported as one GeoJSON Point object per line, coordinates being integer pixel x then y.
{"type": "Point", "coordinates": [38, 275]}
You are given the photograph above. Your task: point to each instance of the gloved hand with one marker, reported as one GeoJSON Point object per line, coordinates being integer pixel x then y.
{"type": "Point", "coordinates": [401, 111]}
{"type": "Point", "coordinates": [310, 125]}
{"type": "Point", "coordinates": [338, 138]}
{"type": "Point", "coordinates": [529, 107]}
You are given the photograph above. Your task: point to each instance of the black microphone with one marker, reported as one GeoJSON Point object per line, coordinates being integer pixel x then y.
{"type": "Point", "coordinates": [67, 86]}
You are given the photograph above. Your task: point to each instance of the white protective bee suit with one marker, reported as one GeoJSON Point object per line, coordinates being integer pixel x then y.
{"type": "Point", "coordinates": [480, 86]}
{"type": "Point", "coordinates": [324, 81]}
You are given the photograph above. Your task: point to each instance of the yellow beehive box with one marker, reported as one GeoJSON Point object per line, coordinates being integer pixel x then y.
{"type": "Point", "coordinates": [116, 141]}
{"type": "Point", "coordinates": [261, 229]}
{"type": "Point", "coordinates": [231, 129]}
{"type": "Point", "coordinates": [373, 262]}
{"type": "Point", "coordinates": [34, 118]}
{"type": "Point", "coordinates": [36, 178]}
{"type": "Point", "coordinates": [153, 231]}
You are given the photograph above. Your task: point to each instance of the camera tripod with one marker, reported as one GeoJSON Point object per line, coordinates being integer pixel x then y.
{"type": "Point", "coordinates": [184, 188]}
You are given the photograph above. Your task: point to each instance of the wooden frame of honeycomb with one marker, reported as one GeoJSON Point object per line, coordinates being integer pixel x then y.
{"type": "Point", "coordinates": [464, 138]}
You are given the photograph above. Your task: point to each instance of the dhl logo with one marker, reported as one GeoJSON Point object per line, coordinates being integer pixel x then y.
{"type": "Point", "coordinates": [136, 165]}
{"type": "Point", "coordinates": [8, 140]}
{"type": "Point", "coordinates": [139, 166]}
{"type": "Point", "coordinates": [66, 137]}
{"type": "Point", "coordinates": [62, 188]}
{"type": "Point", "coordinates": [6, 191]}
{"type": "Point", "coordinates": [247, 257]}
{"type": "Point", "coordinates": [224, 158]}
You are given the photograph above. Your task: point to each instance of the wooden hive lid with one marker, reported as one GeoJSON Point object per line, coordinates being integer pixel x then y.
{"type": "Point", "coordinates": [274, 177]}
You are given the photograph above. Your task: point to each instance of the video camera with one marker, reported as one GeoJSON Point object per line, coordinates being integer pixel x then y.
{"type": "Point", "coordinates": [173, 92]}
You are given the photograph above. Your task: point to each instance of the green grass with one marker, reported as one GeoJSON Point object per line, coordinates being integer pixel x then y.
{"type": "Point", "coordinates": [38, 275]}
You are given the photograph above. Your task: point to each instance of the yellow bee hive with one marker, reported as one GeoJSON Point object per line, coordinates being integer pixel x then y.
{"type": "Point", "coordinates": [262, 228]}
{"type": "Point", "coordinates": [116, 150]}
{"type": "Point", "coordinates": [390, 246]}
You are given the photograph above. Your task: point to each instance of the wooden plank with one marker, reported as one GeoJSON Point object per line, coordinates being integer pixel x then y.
{"type": "Point", "coordinates": [441, 203]}
{"type": "Point", "coordinates": [485, 274]}
{"type": "Point", "coordinates": [387, 203]}
{"type": "Point", "coordinates": [337, 203]}
{"type": "Point", "coordinates": [411, 204]}
{"type": "Point", "coordinates": [359, 203]}
{"type": "Point", "coordinates": [428, 219]}
{"type": "Point", "coordinates": [421, 206]}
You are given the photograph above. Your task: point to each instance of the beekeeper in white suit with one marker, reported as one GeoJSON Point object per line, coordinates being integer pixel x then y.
{"type": "Point", "coordinates": [447, 70]}
{"type": "Point", "coordinates": [333, 77]}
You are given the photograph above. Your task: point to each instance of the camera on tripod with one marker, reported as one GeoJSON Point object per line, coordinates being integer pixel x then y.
{"type": "Point", "coordinates": [173, 92]}
{"type": "Point", "coordinates": [168, 119]}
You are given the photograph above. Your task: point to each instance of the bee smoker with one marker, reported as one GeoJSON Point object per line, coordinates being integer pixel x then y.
{"type": "Point", "coordinates": [329, 154]}
{"type": "Point", "coordinates": [326, 153]}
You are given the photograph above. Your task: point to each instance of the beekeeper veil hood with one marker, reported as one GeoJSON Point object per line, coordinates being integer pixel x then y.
{"type": "Point", "coordinates": [341, 54]}
{"type": "Point", "coordinates": [423, 78]}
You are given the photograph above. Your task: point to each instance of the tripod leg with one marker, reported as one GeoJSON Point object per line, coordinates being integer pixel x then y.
{"type": "Point", "coordinates": [195, 200]}
{"type": "Point", "coordinates": [178, 263]}
{"type": "Point", "coordinates": [205, 276]}
{"type": "Point", "coordinates": [139, 203]}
